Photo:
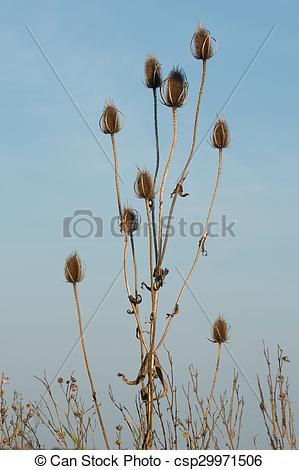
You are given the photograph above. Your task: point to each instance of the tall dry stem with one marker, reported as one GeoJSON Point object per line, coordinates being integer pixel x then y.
{"type": "Point", "coordinates": [151, 369]}
{"type": "Point", "coordinates": [93, 390]}
{"type": "Point", "coordinates": [156, 169]}
{"type": "Point", "coordinates": [190, 157]}
{"type": "Point", "coordinates": [164, 179]}
{"type": "Point", "coordinates": [208, 408]}
{"type": "Point", "coordinates": [113, 141]}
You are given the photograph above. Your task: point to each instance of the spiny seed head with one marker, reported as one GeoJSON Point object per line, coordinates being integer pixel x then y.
{"type": "Point", "coordinates": [220, 331]}
{"type": "Point", "coordinates": [130, 220]}
{"type": "Point", "coordinates": [152, 72]}
{"type": "Point", "coordinates": [221, 136]}
{"type": "Point", "coordinates": [74, 270]}
{"type": "Point", "coordinates": [144, 185]}
{"type": "Point", "coordinates": [174, 89]}
{"type": "Point", "coordinates": [110, 121]}
{"type": "Point", "coordinates": [201, 44]}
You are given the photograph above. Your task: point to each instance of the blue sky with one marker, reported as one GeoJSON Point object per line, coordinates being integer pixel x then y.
{"type": "Point", "coordinates": [52, 165]}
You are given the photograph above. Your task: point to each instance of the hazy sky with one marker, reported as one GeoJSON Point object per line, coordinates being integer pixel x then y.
{"type": "Point", "coordinates": [52, 165]}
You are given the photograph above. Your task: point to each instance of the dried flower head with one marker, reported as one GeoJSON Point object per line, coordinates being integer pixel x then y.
{"type": "Point", "coordinates": [130, 220]}
{"type": "Point", "coordinates": [220, 331]}
{"type": "Point", "coordinates": [221, 136]}
{"type": "Point", "coordinates": [144, 185]}
{"type": "Point", "coordinates": [110, 121]}
{"type": "Point", "coordinates": [201, 44]}
{"type": "Point", "coordinates": [174, 89]}
{"type": "Point", "coordinates": [152, 72]}
{"type": "Point", "coordinates": [74, 271]}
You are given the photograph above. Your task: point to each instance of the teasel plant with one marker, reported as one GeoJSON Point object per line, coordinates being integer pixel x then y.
{"type": "Point", "coordinates": [173, 92]}
{"type": "Point", "coordinates": [220, 335]}
{"type": "Point", "coordinates": [74, 272]}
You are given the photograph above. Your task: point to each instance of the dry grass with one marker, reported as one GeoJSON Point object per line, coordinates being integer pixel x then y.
{"type": "Point", "coordinates": [276, 405]}
{"type": "Point", "coordinates": [184, 419]}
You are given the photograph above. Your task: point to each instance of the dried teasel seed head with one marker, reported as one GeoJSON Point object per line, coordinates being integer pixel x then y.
{"type": "Point", "coordinates": [74, 270]}
{"type": "Point", "coordinates": [220, 331]}
{"type": "Point", "coordinates": [174, 89]}
{"type": "Point", "coordinates": [144, 185]}
{"type": "Point", "coordinates": [130, 220]}
{"type": "Point", "coordinates": [111, 121]}
{"type": "Point", "coordinates": [201, 44]}
{"type": "Point", "coordinates": [221, 135]}
{"type": "Point", "coordinates": [152, 72]}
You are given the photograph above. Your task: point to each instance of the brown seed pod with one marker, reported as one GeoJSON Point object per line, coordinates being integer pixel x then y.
{"type": "Point", "coordinates": [174, 89]}
{"type": "Point", "coordinates": [221, 136]}
{"type": "Point", "coordinates": [110, 121]}
{"type": "Point", "coordinates": [144, 186]}
{"type": "Point", "coordinates": [130, 220]}
{"type": "Point", "coordinates": [201, 44]}
{"type": "Point", "coordinates": [152, 72]}
{"type": "Point", "coordinates": [220, 331]}
{"type": "Point", "coordinates": [74, 270]}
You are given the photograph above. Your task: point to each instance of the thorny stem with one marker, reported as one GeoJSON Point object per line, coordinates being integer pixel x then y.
{"type": "Point", "coordinates": [191, 155]}
{"type": "Point", "coordinates": [198, 252]}
{"type": "Point", "coordinates": [164, 178]}
{"type": "Point", "coordinates": [156, 133]}
{"type": "Point", "coordinates": [156, 169]}
{"type": "Point", "coordinates": [207, 411]}
{"type": "Point", "coordinates": [93, 391]}
{"type": "Point", "coordinates": [150, 229]}
{"type": "Point", "coordinates": [154, 230]}
{"type": "Point", "coordinates": [125, 266]}
{"type": "Point", "coordinates": [116, 173]}
{"type": "Point", "coordinates": [134, 307]}
{"type": "Point", "coordinates": [134, 264]}
{"type": "Point", "coordinates": [147, 444]}
{"type": "Point", "coordinates": [136, 287]}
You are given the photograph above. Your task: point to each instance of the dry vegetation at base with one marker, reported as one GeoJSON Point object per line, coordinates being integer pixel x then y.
{"type": "Point", "coordinates": [62, 416]}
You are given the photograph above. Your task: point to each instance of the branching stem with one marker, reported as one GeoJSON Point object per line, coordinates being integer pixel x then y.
{"type": "Point", "coordinates": [134, 307]}
{"type": "Point", "coordinates": [191, 155]}
{"type": "Point", "coordinates": [198, 252]}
